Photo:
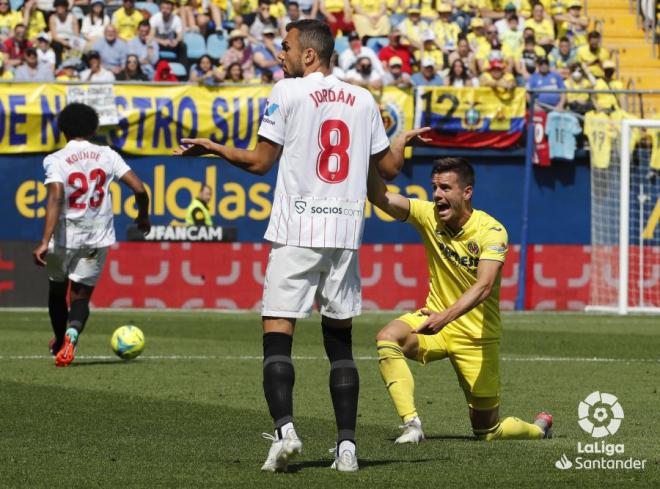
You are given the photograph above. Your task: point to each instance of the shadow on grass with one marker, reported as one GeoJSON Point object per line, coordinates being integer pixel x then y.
{"type": "Point", "coordinates": [91, 363]}
{"type": "Point", "coordinates": [451, 437]}
{"type": "Point", "coordinates": [364, 463]}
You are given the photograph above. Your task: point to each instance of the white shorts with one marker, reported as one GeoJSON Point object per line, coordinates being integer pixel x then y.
{"type": "Point", "coordinates": [83, 266]}
{"type": "Point", "coordinates": [297, 277]}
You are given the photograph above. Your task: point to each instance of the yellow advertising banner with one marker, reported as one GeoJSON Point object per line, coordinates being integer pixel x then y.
{"type": "Point", "coordinates": [151, 119]}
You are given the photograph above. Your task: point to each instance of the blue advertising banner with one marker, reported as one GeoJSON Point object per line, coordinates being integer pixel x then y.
{"type": "Point", "coordinates": [559, 207]}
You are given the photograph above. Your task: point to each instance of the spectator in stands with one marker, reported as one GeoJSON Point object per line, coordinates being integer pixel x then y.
{"type": "Point", "coordinates": [32, 70]}
{"type": "Point", "coordinates": [94, 23]}
{"type": "Point", "coordinates": [593, 55]}
{"type": "Point", "coordinates": [45, 53]}
{"type": "Point", "coordinates": [293, 14]}
{"type": "Point", "coordinates": [527, 62]}
{"type": "Point", "coordinates": [396, 49]}
{"type": "Point", "coordinates": [112, 50]}
{"type": "Point", "coordinates": [503, 25]}
{"type": "Point", "coordinates": [8, 20]}
{"type": "Point", "coordinates": [126, 19]}
{"type": "Point", "coordinates": [63, 26]}
{"type": "Point", "coordinates": [413, 27]}
{"type": "Point", "coordinates": [446, 32]}
{"type": "Point", "coordinates": [364, 75]}
{"type": "Point", "coordinates": [278, 10]}
{"type": "Point", "coordinates": [459, 76]}
{"type": "Point", "coordinates": [5, 75]}
{"type": "Point", "coordinates": [238, 52]}
{"type": "Point", "coordinates": [261, 20]}
{"type": "Point", "coordinates": [563, 57]}
{"type": "Point", "coordinates": [579, 79]}
{"type": "Point", "coordinates": [498, 79]}
{"type": "Point", "coordinates": [164, 72]}
{"type": "Point", "coordinates": [266, 77]}
{"type": "Point", "coordinates": [145, 48]}
{"type": "Point", "coordinates": [349, 58]}
{"type": "Point", "coordinates": [512, 38]}
{"type": "Point", "coordinates": [14, 48]}
{"type": "Point", "coordinates": [395, 76]}
{"type": "Point", "coordinates": [96, 72]}
{"type": "Point", "coordinates": [465, 54]}
{"type": "Point", "coordinates": [196, 16]}
{"type": "Point", "coordinates": [132, 70]}
{"type": "Point", "coordinates": [430, 50]}
{"type": "Point", "coordinates": [68, 70]}
{"type": "Point", "coordinates": [608, 101]}
{"type": "Point", "coordinates": [234, 73]}
{"type": "Point", "coordinates": [338, 15]}
{"type": "Point", "coordinates": [573, 24]}
{"type": "Point", "coordinates": [370, 18]}
{"type": "Point", "coordinates": [33, 20]}
{"type": "Point", "coordinates": [167, 30]}
{"type": "Point", "coordinates": [310, 8]}
{"type": "Point", "coordinates": [204, 73]}
{"type": "Point", "coordinates": [265, 54]}
{"type": "Point", "coordinates": [334, 66]}
{"type": "Point", "coordinates": [491, 50]}
{"type": "Point", "coordinates": [428, 75]}
{"type": "Point", "coordinates": [477, 39]}
{"type": "Point", "coordinates": [465, 11]}
{"type": "Point", "coordinates": [544, 29]}
{"type": "Point", "coordinates": [544, 78]}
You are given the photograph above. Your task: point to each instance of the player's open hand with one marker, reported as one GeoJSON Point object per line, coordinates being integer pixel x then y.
{"type": "Point", "coordinates": [415, 136]}
{"type": "Point", "coordinates": [194, 147]}
{"type": "Point", "coordinates": [433, 323]}
{"type": "Point", "coordinates": [39, 254]}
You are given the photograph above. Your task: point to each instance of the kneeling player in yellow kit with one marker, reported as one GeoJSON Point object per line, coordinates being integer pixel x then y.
{"type": "Point", "coordinates": [465, 249]}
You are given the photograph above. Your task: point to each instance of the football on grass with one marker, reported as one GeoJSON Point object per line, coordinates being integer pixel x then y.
{"type": "Point", "coordinates": [127, 342]}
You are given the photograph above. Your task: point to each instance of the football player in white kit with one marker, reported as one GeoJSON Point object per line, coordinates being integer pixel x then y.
{"type": "Point", "coordinates": [328, 133]}
{"type": "Point", "coordinates": [79, 223]}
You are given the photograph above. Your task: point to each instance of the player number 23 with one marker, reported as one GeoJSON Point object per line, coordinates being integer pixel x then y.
{"type": "Point", "coordinates": [332, 162]}
{"type": "Point", "coordinates": [80, 183]}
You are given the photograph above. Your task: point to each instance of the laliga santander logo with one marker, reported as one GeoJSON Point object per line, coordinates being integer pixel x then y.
{"type": "Point", "coordinates": [600, 414]}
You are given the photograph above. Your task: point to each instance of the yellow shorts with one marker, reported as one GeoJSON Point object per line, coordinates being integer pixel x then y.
{"type": "Point", "coordinates": [476, 361]}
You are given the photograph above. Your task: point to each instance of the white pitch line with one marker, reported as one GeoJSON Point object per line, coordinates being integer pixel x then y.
{"type": "Point", "coordinates": [319, 358]}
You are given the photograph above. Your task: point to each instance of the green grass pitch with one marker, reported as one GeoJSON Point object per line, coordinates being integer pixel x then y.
{"type": "Point", "coordinates": [190, 412]}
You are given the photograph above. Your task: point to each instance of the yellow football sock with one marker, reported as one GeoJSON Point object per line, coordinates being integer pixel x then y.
{"type": "Point", "coordinates": [398, 378]}
{"type": "Point", "coordinates": [511, 428]}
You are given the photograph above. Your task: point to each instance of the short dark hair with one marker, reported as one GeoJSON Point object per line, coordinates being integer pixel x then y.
{"type": "Point", "coordinates": [78, 121]}
{"type": "Point", "coordinates": [144, 22]}
{"type": "Point", "coordinates": [316, 35]}
{"type": "Point", "coordinates": [594, 35]}
{"type": "Point", "coordinates": [564, 39]}
{"type": "Point", "coordinates": [458, 165]}
{"type": "Point", "coordinates": [293, 4]}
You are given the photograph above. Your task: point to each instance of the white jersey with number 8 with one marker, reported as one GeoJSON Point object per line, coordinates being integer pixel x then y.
{"type": "Point", "coordinates": [86, 171]}
{"type": "Point", "coordinates": [329, 129]}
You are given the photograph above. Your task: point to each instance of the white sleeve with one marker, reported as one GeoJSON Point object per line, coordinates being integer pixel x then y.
{"type": "Point", "coordinates": [119, 166]}
{"type": "Point", "coordinates": [379, 139]}
{"type": "Point", "coordinates": [53, 171]}
{"type": "Point", "coordinates": [273, 124]}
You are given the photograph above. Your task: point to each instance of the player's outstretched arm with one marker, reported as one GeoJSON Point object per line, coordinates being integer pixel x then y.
{"type": "Point", "coordinates": [141, 200]}
{"type": "Point", "coordinates": [487, 272]}
{"type": "Point", "coordinates": [258, 160]}
{"type": "Point", "coordinates": [390, 160]}
{"type": "Point", "coordinates": [395, 205]}
{"type": "Point", "coordinates": [54, 203]}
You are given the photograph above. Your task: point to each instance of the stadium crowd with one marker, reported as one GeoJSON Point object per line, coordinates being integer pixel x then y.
{"type": "Point", "coordinates": [460, 43]}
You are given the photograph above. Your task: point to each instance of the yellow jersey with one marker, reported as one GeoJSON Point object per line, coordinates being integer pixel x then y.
{"type": "Point", "coordinates": [334, 6]}
{"type": "Point", "coordinates": [590, 59]}
{"type": "Point", "coordinates": [606, 100]}
{"type": "Point", "coordinates": [127, 25]}
{"type": "Point", "coordinates": [598, 131]}
{"type": "Point", "coordinates": [9, 21]}
{"type": "Point", "coordinates": [369, 7]}
{"type": "Point", "coordinates": [542, 30]}
{"type": "Point", "coordinates": [453, 258]}
{"type": "Point", "coordinates": [446, 33]}
{"type": "Point", "coordinates": [36, 24]}
{"type": "Point", "coordinates": [243, 7]}
{"type": "Point", "coordinates": [583, 84]}
{"type": "Point", "coordinates": [278, 10]}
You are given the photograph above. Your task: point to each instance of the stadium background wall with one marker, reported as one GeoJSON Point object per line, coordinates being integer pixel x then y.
{"type": "Point", "coordinates": [221, 275]}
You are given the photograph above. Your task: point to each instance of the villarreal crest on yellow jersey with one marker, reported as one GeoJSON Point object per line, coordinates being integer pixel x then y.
{"type": "Point", "coordinates": [453, 258]}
